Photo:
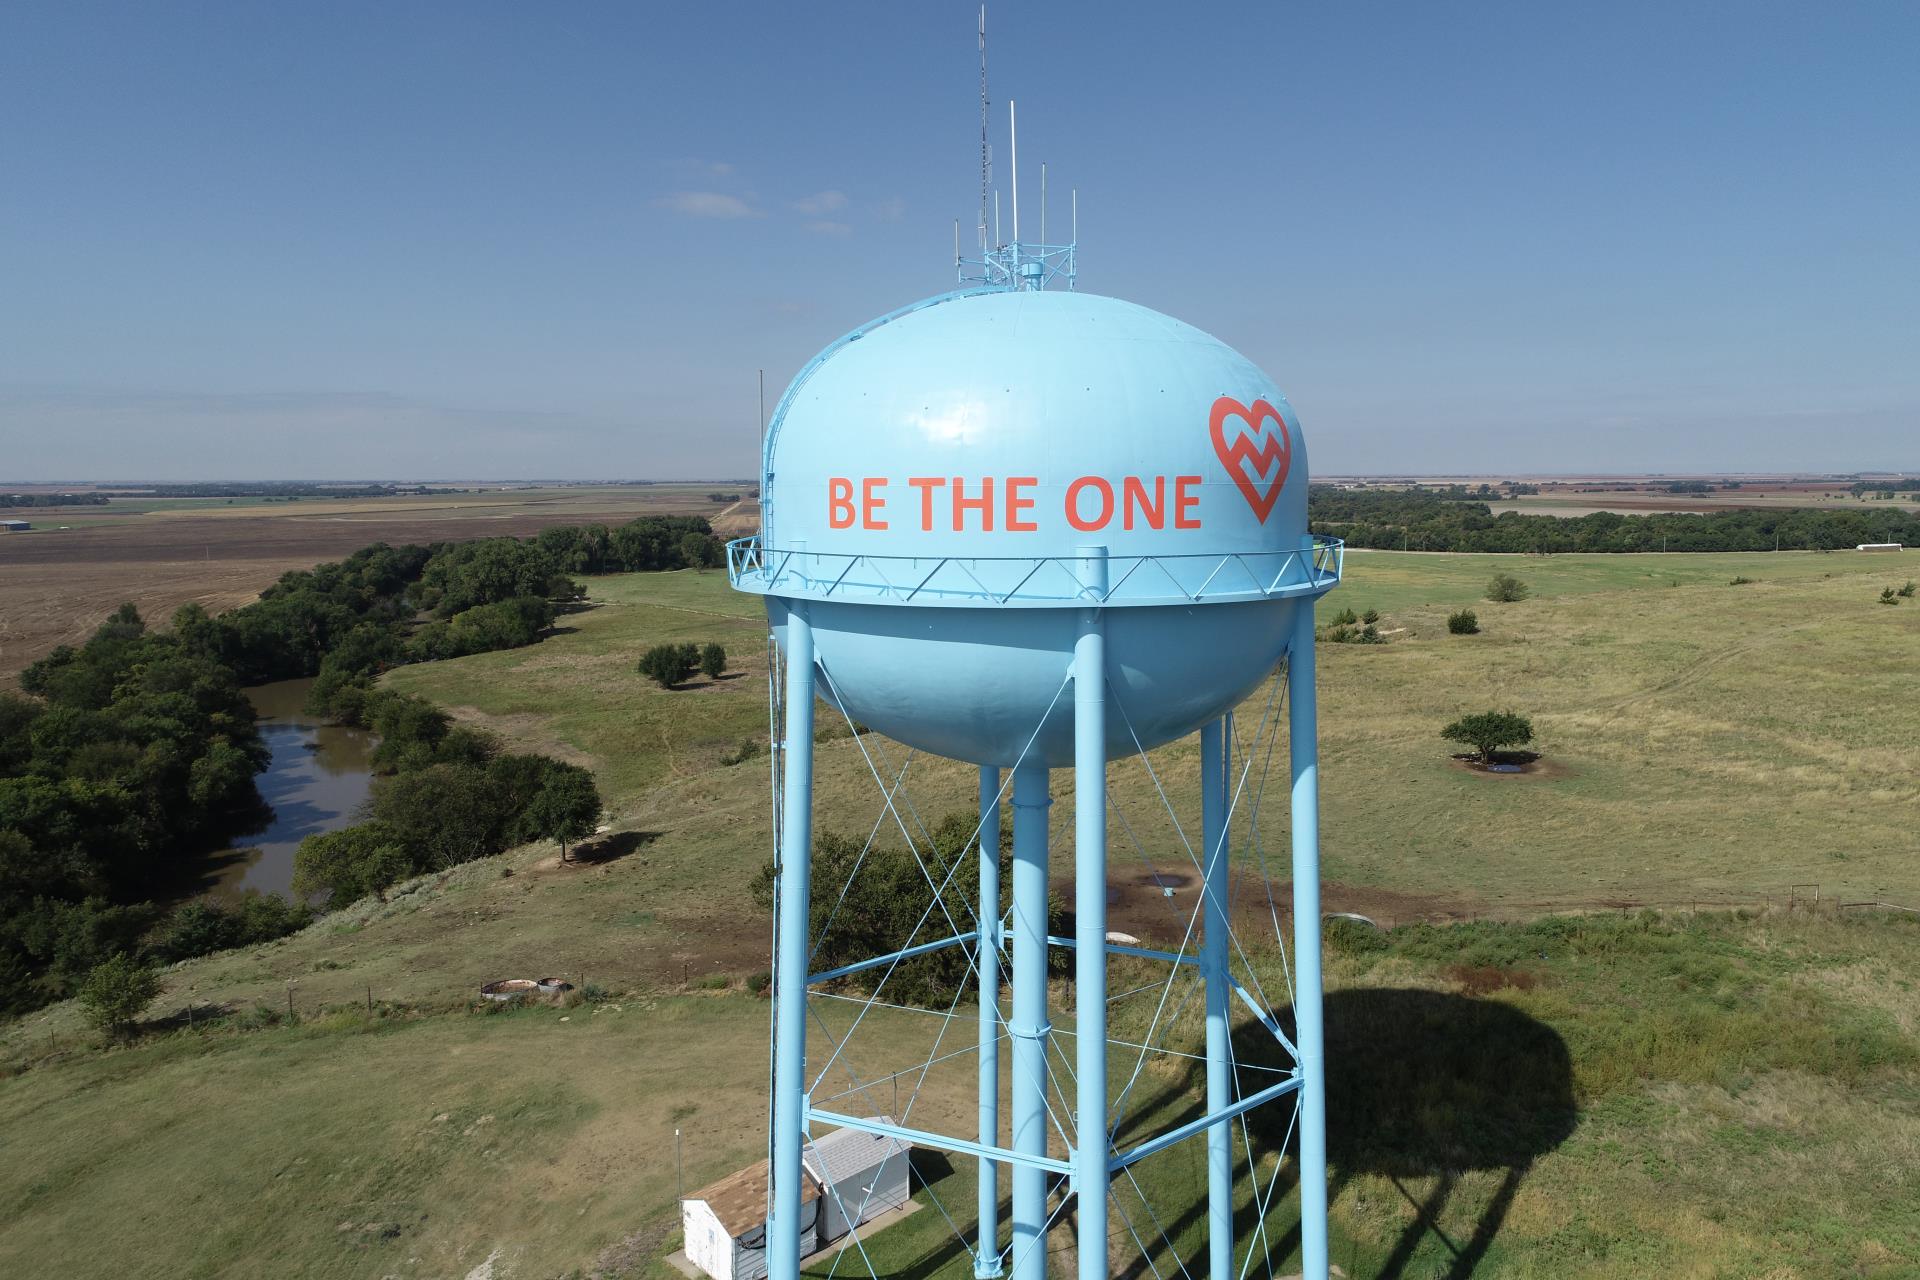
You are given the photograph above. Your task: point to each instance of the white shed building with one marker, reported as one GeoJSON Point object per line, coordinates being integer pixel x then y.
{"type": "Point", "coordinates": [862, 1175]}
{"type": "Point", "coordinates": [724, 1226]}
{"type": "Point", "coordinates": [851, 1177]}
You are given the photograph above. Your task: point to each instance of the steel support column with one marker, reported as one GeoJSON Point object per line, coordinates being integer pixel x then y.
{"type": "Point", "coordinates": [1304, 749]}
{"type": "Point", "coordinates": [1091, 1174]}
{"type": "Point", "coordinates": [986, 1254]}
{"type": "Point", "coordinates": [1029, 1028]}
{"type": "Point", "coordinates": [1213, 963]}
{"type": "Point", "coordinates": [791, 891]}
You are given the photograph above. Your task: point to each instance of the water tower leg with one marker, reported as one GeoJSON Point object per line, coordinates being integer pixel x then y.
{"type": "Point", "coordinates": [1090, 1174]}
{"type": "Point", "coordinates": [1213, 961]}
{"type": "Point", "coordinates": [986, 1255]}
{"type": "Point", "coordinates": [792, 887]}
{"type": "Point", "coordinates": [1305, 749]}
{"type": "Point", "coordinates": [1029, 1029]}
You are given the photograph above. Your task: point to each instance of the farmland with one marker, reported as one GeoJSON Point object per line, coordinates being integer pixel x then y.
{"type": "Point", "coordinates": [79, 563]}
{"type": "Point", "coordinates": [1727, 1090]}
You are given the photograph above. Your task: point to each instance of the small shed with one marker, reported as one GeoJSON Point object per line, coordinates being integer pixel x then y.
{"type": "Point", "coordinates": [724, 1225]}
{"type": "Point", "coordinates": [15, 526]}
{"type": "Point", "coordinates": [862, 1175]}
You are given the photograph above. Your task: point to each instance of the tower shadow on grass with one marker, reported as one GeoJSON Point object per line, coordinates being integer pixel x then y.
{"type": "Point", "coordinates": [1421, 1085]}
{"type": "Point", "coordinates": [1428, 1084]}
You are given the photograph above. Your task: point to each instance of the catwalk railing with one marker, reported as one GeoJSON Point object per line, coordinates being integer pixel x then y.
{"type": "Point", "coordinates": [1036, 581]}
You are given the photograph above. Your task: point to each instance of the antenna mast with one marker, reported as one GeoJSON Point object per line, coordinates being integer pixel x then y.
{"type": "Point", "coordinates": [986, 148]}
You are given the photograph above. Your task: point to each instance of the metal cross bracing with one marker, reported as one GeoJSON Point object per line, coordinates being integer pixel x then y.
{"type": "Point", "coordinates": [1211, 961]}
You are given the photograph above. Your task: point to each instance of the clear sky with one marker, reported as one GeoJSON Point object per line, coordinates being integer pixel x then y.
{"type": "Point", "coordinates": [506, 239]}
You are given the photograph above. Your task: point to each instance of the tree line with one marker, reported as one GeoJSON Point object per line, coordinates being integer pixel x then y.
{"type": "Point", "coordinates": [1413, 520]}
{"type": "Point", "coordinates": [132, 755]}
{"type": "Point", "coordinates": [53, 500]}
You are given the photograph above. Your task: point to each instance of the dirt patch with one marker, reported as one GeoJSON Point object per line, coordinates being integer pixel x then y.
{"type": "Point", "coordinates": [1512, 764]}
{"type": "Point", "coordinates": [1139, 903]}
{"type": "Point", "coordinates": [1481, 979]}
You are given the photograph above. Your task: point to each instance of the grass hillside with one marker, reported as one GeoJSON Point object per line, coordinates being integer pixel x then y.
{"type": "Point", "coordinates": [1736, 1096]}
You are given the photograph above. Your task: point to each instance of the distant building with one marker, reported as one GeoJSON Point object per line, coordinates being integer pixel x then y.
{"type": "Point", "coordinates": [851, 1177]}
{"type": "Point", "coordinates": [1880, 546]}
{"type": "Point", "coordinates": [15, 526]}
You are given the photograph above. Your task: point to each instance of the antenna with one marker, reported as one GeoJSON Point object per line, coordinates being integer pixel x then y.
{"type": "Point", "coordinates": [956, 242]}
{"type": "Point", "coordinates": [1043, 202]}
{"type": "Point", "coordinates": [1013, 163]}
{"type": "Point", "coordinates": [996, 218]}
{"type": "Point", "coordinates": [1076, 216]}
{"type": "Point", "coordinates": [986, 149]}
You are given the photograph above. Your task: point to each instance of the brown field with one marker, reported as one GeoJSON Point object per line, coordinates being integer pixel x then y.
{"type": "Point", "coordinates": [1640, 495]}
{"type": "Point", "coordinates": [57, 584]}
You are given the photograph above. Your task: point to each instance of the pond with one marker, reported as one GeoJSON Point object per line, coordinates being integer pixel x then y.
{"type": "Point", "coordinates": [320, 776]}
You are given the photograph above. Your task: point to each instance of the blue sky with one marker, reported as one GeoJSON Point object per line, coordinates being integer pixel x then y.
{"type": "Point", "coordinates": [505, 239]}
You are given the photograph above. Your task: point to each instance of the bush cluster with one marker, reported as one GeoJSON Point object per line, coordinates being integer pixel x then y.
{"type": "Point", "coordinates": [1463, 623]}
{"type": "Point", "coordinates": [668, 665]}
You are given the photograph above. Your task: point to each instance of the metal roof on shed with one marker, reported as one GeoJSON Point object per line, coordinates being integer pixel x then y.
{"type": "Point", "coordinates": [849, 1153]}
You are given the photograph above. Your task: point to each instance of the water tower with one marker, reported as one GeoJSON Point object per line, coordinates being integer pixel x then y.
{"type": "Point", "coordinates": [1035, 529]}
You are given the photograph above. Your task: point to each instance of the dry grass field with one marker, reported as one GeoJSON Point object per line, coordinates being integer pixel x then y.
{"type": "Point", "coordinates": [80, 563]}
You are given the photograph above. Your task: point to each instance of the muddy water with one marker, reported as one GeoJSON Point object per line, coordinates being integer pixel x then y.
{"type": "Point", "coordinates": [320, 776]}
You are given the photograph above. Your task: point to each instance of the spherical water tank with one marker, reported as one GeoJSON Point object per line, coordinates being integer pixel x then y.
{"type": "Point", "coordinates": [950, 487]}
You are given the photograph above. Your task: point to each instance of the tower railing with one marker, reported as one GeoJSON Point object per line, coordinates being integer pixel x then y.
{"type": "Point", "coordinates": [1035, 581]}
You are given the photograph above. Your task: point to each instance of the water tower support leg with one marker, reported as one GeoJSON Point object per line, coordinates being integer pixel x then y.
{"type": "Point", "coordinates": [792, 890]}
{"type": "Point", "coordinates": [1304, 748]}
{"type": "Point", "coordinates": [1029, 1029]}
{"type": "Point", "coordinates": [1213, 960]}
{"type": "Point", "coordinates": [1090, 1175]}
{"type": "Point", "coordinates": [986, 1255]}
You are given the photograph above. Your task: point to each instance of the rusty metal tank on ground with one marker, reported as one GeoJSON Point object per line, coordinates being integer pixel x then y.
{"type": "Point", "coordinates": [1010, 458]}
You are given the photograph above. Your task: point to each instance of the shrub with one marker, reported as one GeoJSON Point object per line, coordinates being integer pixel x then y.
{"type": "Point", "coordinates": [1340, 633]}
{"type": "Point", "coordinates": [1889, 596]}
{"type": "Point", "coordinates": [1344, 618]}
{"type": "Point", "coordinates": [668, 664]}
{"type": "Point", "coordinates": [1463, 623]}
{"type": "Point", "coordinates": [1908, 590]}
{"type": "Point", "coordinates": [1370, 634]}
{"type": "Point", "coordinates": [1739, 581]}
{"type": "Point", "coordinates": [117, 992]}
{"type": "Point", "coordinates": [1370, 617]}
{"type": "Point", "coordinates": [713, 661]}
{"type": "Point", "coordinates": [1488, 731]}
{"type": "Point", "coordinates": [1506, 589]}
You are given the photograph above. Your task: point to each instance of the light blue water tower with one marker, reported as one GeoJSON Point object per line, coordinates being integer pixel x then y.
{"type": "Point", "coordinates": [1034, 529]}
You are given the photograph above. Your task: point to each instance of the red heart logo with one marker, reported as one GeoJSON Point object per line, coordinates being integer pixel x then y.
{"type": "Point", "coordinates": [1247, 463]}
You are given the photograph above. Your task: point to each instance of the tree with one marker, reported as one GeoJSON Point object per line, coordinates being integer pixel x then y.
{"type": "Point", "coordinates": [117, 992]}
{"type": "Point", "coordinates": [713, 660]}
{"type": "Point", "coordinates": [668, 664]}
{"type": "Point", "coordinates": [1488, 731]}
{"type": "Point", "coordinates": [566, 809]}
{"type": "Point", "coordinates": [1463, 623]}
{"type": "Point", "coordinates": [1370, 617]}
{"type": "Point", "coordinates": [1889, 597]}
{"type": "Point", "coordinates": [351, 863]}
{"type": "Point", "coordinates": [1506, 589]}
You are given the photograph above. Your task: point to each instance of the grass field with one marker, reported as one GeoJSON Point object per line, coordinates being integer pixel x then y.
{"type": "Point", "coordinates": [1708, 1095]}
